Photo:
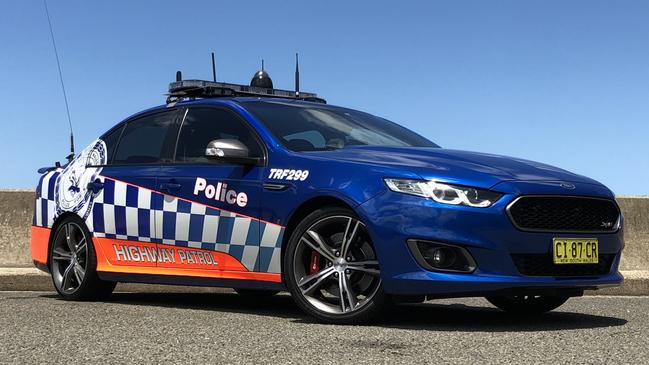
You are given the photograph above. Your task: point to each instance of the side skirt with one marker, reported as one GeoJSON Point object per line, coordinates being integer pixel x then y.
{"type": "Point", "coordinates": [42, 267]}
{"type": "Point", "coordinates": [190, 281]}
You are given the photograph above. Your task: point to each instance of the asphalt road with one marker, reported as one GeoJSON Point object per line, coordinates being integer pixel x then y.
{"type": "Point", "coordinates": [225, 328]}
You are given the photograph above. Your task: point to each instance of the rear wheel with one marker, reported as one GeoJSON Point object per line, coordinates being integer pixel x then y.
{"type": "Point", "coordinates": [527, 304]}
{"type": "Point", "coordinates": [331, 268]}
{"type": "Point", "coordinates": [73, 263]}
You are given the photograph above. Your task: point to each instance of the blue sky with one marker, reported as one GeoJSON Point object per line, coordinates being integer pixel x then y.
{"type": "Point", "coordinates": [562, 82]}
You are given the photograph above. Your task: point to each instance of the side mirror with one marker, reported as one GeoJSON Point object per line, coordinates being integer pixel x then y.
{"type": "Point", "coordinates": [226, 148]}
{"type": "Point", "coordinates": [230, 150]}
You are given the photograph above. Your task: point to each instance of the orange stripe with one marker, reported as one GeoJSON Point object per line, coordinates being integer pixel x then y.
{"type": "Point", "coordinates": [215, 274]}
{"type": "Point", "coordinates": [134, 257]}
{"type": "Point", "coordinates": [39, 244]}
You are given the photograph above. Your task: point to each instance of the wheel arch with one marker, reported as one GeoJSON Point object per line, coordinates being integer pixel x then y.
{"type": "Point", "coordinates": [55, 227]}
{"type": "Point", "coordinates": [303, 210]}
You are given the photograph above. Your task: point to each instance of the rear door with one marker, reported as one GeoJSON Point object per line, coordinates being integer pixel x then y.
{"type": "Point", "coordinates": [211, 209]}
{"type": "Point", "coordinates": [123, 212]}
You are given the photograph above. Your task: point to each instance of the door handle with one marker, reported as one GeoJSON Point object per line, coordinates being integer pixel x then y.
{"type": "Point", "coordinates": [170, 186]}
{"type": "Point", "coordinates": [95, 186]}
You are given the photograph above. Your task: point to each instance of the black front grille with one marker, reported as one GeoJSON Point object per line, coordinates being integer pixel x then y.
{"type": "Point", "coordinates": [543, 265]}
{"type": "Point", "coordinates": [564, 214]}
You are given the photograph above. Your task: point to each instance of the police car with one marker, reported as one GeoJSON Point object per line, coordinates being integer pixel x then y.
{"type": "Point", "coordinates": [266, 190]}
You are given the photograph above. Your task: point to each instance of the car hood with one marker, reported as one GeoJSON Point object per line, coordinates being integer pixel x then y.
{"type": "Point", "coordinates": [454, 166]}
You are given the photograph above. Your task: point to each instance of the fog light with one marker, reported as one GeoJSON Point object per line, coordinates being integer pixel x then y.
{"type": "Point", "coordinates": [441, 256]}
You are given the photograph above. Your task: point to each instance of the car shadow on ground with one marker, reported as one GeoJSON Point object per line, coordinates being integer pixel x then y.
{"type": "Point", "coordinates": [469, 318]}
{"type": "Point", "coordinates": [430, 315]}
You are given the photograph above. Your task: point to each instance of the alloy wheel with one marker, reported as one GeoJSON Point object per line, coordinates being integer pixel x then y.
{"type": "Point", "coordinates": [336, 269]}
{"type": "Point", "coordinates": [69, 258]}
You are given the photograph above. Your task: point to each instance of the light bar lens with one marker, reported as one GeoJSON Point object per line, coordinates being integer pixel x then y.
{"type": "Point", "coordinates": [444, 193]}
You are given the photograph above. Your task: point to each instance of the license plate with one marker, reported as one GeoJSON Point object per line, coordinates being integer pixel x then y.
{"type": "Point", "coordinates": [575, 250]}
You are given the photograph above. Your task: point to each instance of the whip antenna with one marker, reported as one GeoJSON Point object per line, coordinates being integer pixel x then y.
{"type": "Point", "coordinates": [297, 77]}
{"type": "Point", "coordinates": [213, 68]}
{"type": "Point", "coordinates": [65, 96]}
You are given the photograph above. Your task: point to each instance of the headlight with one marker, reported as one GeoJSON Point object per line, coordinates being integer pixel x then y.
{"type": "Point", "coordinates": [444, 193]}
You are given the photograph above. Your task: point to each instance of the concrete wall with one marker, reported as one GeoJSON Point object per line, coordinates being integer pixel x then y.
{"type": "Point", "coordinates": [16, 213]}
{"type": "Point", "coordinates": [16, 209]}
{"type": "Point", "coordinates": [636, 233]}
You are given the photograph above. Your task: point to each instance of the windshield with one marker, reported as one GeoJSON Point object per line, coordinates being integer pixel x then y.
{"type": "Point", "coordinates": [305, 127]}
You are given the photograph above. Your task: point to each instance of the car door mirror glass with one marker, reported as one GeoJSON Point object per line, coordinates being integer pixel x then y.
{"type": "Point", "coordinates": [226, 148]}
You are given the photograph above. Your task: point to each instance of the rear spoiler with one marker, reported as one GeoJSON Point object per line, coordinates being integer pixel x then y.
{"type": "Point", "coordinates": [45, 170]}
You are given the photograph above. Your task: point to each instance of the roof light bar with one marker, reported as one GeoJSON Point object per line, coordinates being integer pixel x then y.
{"type": "Point", "coordinates": [185, 89]}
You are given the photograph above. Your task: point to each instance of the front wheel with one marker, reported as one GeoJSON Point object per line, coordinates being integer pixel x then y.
{"type": "Point", "coordinates": [73, 263]}
{"type": "Point", "coordinates": [331, 268]}
{"type": "Point", "coordinates": [527, 304]}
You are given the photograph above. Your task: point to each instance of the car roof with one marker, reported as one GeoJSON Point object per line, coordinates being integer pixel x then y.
{"type": "Point", "coordinates": [234, 101]}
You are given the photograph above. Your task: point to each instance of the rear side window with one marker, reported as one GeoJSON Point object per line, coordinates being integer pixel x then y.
{"type": "Point", "coordinates": [111, 139]}
{"type": "Point", "coordinates": [203, 125]}
{"type": "Point", "coordinates": [146, 140]}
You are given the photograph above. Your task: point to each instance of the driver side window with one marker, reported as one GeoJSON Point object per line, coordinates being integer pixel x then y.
{"type": "Point", "coordinates": [203, 125]}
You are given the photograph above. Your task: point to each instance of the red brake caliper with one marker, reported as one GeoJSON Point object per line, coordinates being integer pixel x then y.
{"type": "Point", "coordinates": [314, 266]}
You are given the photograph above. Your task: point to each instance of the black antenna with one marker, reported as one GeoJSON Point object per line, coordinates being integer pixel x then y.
{"type": "Point", "coordinates": [65, 96]}
{"type": "Point", "coordinates": [213, 68]}
{"type": "Point", "coordinates": [179, 76]}
{"type": "Point", "coordinates": [297, 76]}
{"type": "Point", "coordinates": [262, 64]}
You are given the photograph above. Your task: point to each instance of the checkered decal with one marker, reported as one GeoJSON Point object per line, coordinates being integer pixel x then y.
{"type": "Point", "coordinates": [45, 208]}
{"type": "Point", "coordinates": [126, 212]}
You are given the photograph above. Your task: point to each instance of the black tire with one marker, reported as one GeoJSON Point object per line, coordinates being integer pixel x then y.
{"type": "Point", "coordinates": [90, 286]}
{"type": "Point", "coordinates": [256, 293]}
{"type": "Point", "coordinates": [369, 307]}
{"type": "Point", "coordinates": [527, 304]}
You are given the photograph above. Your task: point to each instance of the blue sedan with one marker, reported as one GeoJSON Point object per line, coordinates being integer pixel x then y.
{"type": "Point", "coordinates": [265, 191]}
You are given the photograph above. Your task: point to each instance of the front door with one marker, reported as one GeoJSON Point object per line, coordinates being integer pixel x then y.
{"type": "Point", "coordinates": [210, 209]}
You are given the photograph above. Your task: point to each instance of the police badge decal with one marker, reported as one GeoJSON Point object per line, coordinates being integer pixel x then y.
{"type": "Point", "coordinates": [71, 193]}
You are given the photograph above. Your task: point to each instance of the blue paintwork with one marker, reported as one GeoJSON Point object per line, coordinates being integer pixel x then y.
{"type": "Point", "coordinates": [355, 176]}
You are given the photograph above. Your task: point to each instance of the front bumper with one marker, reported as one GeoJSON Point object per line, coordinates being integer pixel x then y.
{"type": "Point", "coordinates": [486, 233]}
{"type": "Point", "coordinates": [436, 284]}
